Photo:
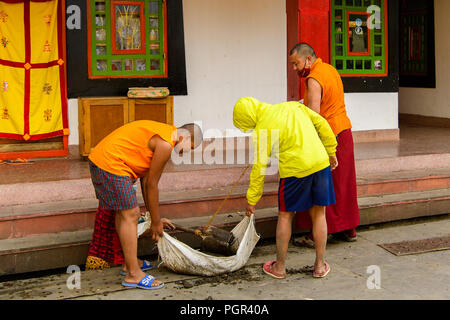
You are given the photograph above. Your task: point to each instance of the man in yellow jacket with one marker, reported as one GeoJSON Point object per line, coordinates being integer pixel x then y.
{"type": "Point", "coordinates": [305, 147]}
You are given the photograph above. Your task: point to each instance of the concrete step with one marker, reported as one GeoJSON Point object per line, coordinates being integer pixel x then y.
{"type": "Point", "coordinates": [79, 214]}
{"type": "Point", "coordinates": [56, 250]}
{"type": "Point", "coordinates": [72, 215]}
{"type": "Point", "coordinates": [402, 181]}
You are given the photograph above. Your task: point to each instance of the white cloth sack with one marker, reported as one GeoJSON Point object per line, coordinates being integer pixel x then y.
{"type": "Point", "coordinates": [180, 258]}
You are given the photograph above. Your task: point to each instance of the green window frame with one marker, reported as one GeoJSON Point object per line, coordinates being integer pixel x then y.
{"type": "Point", "coordinates": [127, 39]}
{"type": "Point", "coordinates": [370, 56]}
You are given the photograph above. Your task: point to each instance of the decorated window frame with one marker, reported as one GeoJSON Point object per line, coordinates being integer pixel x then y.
{"type": "Point", "coordinates": [127, 39]}
{"type": "Point", "coordinates": [359, 45]}
{"type": "Point", "coordinates": [413, 53]}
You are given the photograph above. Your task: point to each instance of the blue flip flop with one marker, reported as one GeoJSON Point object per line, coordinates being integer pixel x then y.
{"type": "Point", "coordinates": [146, 266]}
{"type": "Point", "coordinates": [145, 283]}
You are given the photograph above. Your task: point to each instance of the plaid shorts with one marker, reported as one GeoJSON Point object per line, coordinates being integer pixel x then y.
{"type": "Point", "coordinates": [112, 191]}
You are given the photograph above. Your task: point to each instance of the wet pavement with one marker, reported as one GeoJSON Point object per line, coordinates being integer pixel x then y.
{"type": "Point", "coordinates": [361, 270]}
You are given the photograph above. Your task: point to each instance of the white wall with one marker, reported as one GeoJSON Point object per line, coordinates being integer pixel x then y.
{"type": "Point", "coordinates": [234, 48]}
{"type": "Point", "coordinates": [433, 102]}
{"type": "Point", "coordinates": [372, 111]}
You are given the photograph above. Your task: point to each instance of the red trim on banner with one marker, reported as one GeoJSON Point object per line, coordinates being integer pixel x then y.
{"type": "Point", "coordinates": [26, 17]}
{"type": "Point", "coordinates": [33, 137]}
{"type": "Point", "coordinates": [62, 56]}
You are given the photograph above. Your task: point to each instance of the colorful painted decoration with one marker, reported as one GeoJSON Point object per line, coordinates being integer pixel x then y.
{"type": "Point", "coordinates": [4, 42]}
{"type": "Point", "coordinates": [4, 86]}
{"type": "Point", "coordinates": [48, 115]}
{"type": "Point", "coordinates": [5, 113]}
{"type": "Point", "coordinates": [47, 88]}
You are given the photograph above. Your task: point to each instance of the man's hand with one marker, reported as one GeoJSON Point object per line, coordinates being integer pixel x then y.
{"type": "Point", "coordinates": [250, 210]}
{"type": "Point", "coordinates": [156, 230]}
{"type": "Point", "coordinates": [167, 224]}
{"type": "Point", "coordinates": [333, 162]}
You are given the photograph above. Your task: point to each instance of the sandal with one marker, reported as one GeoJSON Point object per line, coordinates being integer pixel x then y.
{"type": "Point", "coordinates": [267, 268]}
{"type": "Point", "coordinates": [303, 241]}
{"type": "Point", "coordinates": [323, 274]}
{"type": "Point", "coordinates": [145, 283]}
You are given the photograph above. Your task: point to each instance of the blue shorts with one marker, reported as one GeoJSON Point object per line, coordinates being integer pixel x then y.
{"type": "Point", "coordinates": [299, 194]}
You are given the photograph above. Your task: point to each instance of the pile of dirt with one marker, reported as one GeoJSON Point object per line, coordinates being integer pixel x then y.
{"type": "Point", "coordinates": [227, 278]}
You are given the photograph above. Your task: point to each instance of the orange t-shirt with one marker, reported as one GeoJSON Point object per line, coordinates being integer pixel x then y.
{"type": "Point", "coordinates": [332, 105]}
{"type": "Point", "coordinates": [125, 151]}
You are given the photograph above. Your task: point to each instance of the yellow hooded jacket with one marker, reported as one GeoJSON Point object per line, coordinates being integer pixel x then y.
{"type": "Point", "coordinates": [298, 137]}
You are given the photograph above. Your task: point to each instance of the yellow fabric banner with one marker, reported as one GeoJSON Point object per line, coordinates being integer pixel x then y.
{"type": "Point", "coordinates": [33, 102]}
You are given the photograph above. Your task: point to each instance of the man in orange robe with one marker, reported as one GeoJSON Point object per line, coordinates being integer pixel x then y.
{"type": "Point", "coordinates": [324, 93]}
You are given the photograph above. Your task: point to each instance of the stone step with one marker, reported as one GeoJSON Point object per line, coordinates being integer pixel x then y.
{"type": "Point", "coordinates": [72, 215]}
{"type": "Point", "coordinates": [56, 250]}
{"type": "Point", "coordinates": [78, 214]}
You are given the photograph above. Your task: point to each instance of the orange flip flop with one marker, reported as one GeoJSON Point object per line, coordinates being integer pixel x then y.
{"type": "Point", "coordinates": [267, 268]}
{"type": "Point", "coordinates": [323, 274]}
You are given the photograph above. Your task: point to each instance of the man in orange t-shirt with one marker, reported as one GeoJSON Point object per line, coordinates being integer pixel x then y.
{"type": "Point", "coordinates": [324, 93]}
{"type": "Point", "coordinates": [139, 149]}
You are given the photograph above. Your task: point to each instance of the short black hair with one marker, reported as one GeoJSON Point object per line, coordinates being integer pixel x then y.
{"type": "Point", "coordinates": [303, 49]}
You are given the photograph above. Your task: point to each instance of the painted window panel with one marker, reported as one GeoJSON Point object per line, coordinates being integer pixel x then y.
{"type": "Point", "coordinates": [359, 37]}
{"type": "Point", "coordinates": [127, 38]}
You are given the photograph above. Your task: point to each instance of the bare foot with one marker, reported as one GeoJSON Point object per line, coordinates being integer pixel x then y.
{"type": "Point", "coordinates": [140, 262]}
{"type": "Point", "coordinates": [279, 270]}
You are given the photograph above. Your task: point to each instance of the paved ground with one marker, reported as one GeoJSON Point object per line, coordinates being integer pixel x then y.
{"type": "Point", "coordinates": [422, 276]}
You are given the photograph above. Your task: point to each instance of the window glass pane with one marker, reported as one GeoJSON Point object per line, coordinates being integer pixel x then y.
{"type": "Point", "coordinates": [154, 22]}
{"type": "Point", "coordinates": [378, 39]}
{"type": "Point", "coordinates": [154, 35]}
{"type": "Point", "coordinates": [368, 64]}
{"type": "Point", "coordinates": [338, 14]}
{"type": "Point", "coordinates": [128, 64]}
{"type": "Point", "coordinates": [339, 64]}
{"type": "Point", "coordinates": [338, 2]}
{"type": "Point", "coordinates": [154, 64]}
{"type": "Point", "coordinates": [100, 6]}
{"type": "Point", "coordinates": [100, 34]}
{"type": "Point", "coordinates": [338, 38]}
{"type": "Point", "coordinates": [378, 51]}
{"type": "Point", "coordinates": [100, 20]}
{"type": "Point", "coordinates": [349, 3]}
{"type": "Point", "coordinates": [359, 64]}
{"type": "Point", "coordinates": [378, 64]}
{"type": "Point", "coordinates": [100, 50]}
{"type": "Point", "coordinates": [358, 3]}
{"type": "Point", "coordinates": [116, 65]}
{"type": "Point", "coordinates": [101, 65]}
{"type": "Point", "coordinates": [339, 51]}
{"type": "Point", "coordinates": [154, 48]}
{"type": "Point", "coordinates": [128, 27]}
{"type": "Point", "coordinates": [140, 64]}
{"type": "Point", "coordinates": [349, 64]}
{"type": "Point", "coordinates": [153, 7]}
{"type": "Point", "coordinates": [358, 33]}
